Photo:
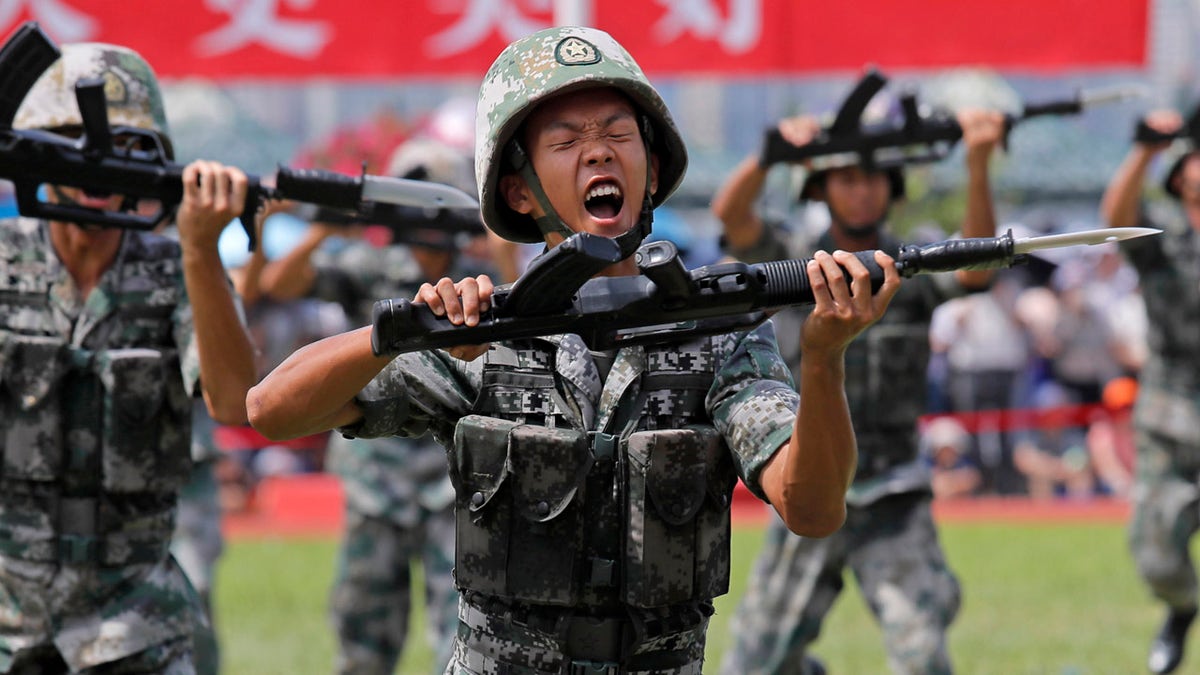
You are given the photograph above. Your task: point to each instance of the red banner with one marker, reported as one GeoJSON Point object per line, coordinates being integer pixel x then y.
{"type": "Point", "coordinates": [437, 38]}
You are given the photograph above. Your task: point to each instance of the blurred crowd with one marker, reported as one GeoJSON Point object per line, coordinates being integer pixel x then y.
{"type": "Point", "coordinates": [1031, 383]}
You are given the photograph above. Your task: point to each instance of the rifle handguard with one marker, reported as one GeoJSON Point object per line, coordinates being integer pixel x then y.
{"type": "Point", "coordinates": [327, 188]}
{"type": "Point", "coordinates": [957, 254]}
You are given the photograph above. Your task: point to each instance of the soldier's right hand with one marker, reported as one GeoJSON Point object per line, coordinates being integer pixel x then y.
{"type": "Point", "coordinates": [1164, 121]}
{"type": "Point", "coordinates": [213, 195]}
{"type": "Point", "coordinates": [799, 130]}
{"type": "Point", "coordinates": [461, 303]}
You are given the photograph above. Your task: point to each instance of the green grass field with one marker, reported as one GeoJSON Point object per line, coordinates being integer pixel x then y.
{"type": "Point", "coordinates": [1047, 598]}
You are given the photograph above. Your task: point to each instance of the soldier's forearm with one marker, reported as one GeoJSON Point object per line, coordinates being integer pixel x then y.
{"type": "Point", "coordinates": [227, 367]}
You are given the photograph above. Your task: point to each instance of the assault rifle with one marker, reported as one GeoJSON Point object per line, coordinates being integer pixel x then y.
{"type": "Point", "coordinates": [920, 137]}
{"type": "Point", "coordinates": [142, 170]}
{"type": "Point", "coordinates": [666, 302]}
{"type": "Point", "coordinates": [408, 224]}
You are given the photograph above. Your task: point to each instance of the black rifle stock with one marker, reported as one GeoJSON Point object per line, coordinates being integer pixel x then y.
{"type": "Point", "coordinates": [664, 303]}
{"type": "Point", "coordinates": [918, 138]}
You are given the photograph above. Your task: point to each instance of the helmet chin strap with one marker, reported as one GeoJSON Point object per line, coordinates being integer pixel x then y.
{"type": "Point", "coordinates": [550, 222]}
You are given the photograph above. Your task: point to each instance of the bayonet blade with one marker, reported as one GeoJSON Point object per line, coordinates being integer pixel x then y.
{"type": "Point", "coordinates": [1084, 238]}
{"type": "Point", "coordinates": [419, 193]}
{"type": "Point", "coordinates": [1114, 94]}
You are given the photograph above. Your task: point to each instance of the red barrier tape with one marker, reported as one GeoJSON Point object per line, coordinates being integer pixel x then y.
{"type": "Point", "coordinates": [1017, 419]}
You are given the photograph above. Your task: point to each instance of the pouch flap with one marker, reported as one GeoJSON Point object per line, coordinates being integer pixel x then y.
{"type": "Point", "coordinates": [135, 380]}
{"type": "Point", "coordinates": [480, 463]}
{"type": "Point", "coordinates": [549, 465]}
{"type": "Point", "coordinates": [31, 366]}
{"type": "Point", "coordinates": [675, 474]}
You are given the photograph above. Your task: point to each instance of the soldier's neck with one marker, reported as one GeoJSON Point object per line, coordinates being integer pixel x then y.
{"type": "Point", "coordinates": [85, 253]}
{"type": "Point", "coordinates": [846, 241]}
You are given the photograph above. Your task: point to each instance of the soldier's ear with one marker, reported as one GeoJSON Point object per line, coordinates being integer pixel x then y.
{"type": "Point", "coordinates": [516, 194]}
{"type": "Point", "coordinates": [653, 173]}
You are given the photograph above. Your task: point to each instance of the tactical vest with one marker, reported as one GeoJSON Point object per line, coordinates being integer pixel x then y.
{"type": "Point", "coordinates": [95, 442]}
{"type": "Point", "coordinates": [886, 383]}
{"type": "Point", "coordinates": [1169, 271]}
{"type": "Point", "coordinates": [636, 513]}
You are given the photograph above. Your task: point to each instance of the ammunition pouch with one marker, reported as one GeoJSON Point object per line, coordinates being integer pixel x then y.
{"type": "Point", "coordinates": [146, 438]}
{"type": "Point", "coordinates": [31, 422]}
{"type": "Point", "coordinates": [95, 447]}
{"type": "Point", "coordinates": [519, 509]}
{"type": "Point", "coordinates": [885, 377]}
{"type": "Point", "coordinates": [680, 489]}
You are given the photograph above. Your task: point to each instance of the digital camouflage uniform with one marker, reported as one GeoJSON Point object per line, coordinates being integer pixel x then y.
{"type": "Point", "coordinates": [592, 516]}
{"type": "Point", "coordinates": [399, 502]}
{"type": "Point", "coordinates": [197, 543]}
{"type": "Point", "coordinates": [888, 540]}
{"type": "Point", "coordinates": [95, 408]}
{"type": "Point", "coordinates": [1166, 498]}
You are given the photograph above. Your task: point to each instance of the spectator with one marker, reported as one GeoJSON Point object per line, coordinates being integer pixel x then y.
{"type": "Point", "coordinates": [987, 354]}
{"type": "Point", "coordinates": [944, 445]}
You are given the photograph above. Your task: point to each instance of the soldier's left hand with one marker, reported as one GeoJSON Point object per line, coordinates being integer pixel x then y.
{"type": "Point", "coordinates": [982, 131]}
{"type": "Point", "coordinates": [461, 303]}
{"type": "Point", "coordinates": [213, 195]}
{"type": "Point", "coordinates": [845, 304]}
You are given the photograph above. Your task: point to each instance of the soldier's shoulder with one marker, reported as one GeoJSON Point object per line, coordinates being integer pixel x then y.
{"type": "Point", "coordinates": [18, 234]}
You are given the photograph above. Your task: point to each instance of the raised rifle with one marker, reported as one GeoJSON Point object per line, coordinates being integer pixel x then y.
{"type": "Point", "coordinates": [921, 136]}
{"type": "Point", "coordinates": [141, 170]}
{"type": "Point", "coordinates": [666, 302]}
{"type": "Point", "coordinates": [407, 224]}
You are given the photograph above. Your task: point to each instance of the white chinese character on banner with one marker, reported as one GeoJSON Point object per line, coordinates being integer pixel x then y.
{"type": "Point", "coordinates": [63, 22]}
{"type": "Point", "coordinates": [737, 32]}
{"type": "Point", "coordinates": [255, 21]}
{"type": "Point", "coordinates": [479, 19]}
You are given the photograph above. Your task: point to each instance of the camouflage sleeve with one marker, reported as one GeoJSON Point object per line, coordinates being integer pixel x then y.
{"type": "Point", "coordinates": [753, 402]}
{"type": "Point", "coordinates": [185, 340]}
{"type": "Point", "coordinates": [417, 393]}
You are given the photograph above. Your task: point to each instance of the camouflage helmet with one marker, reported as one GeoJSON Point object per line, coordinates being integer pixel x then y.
{"type": "Point", "coordinates": [130, 87]}
{"type": "Point", "coordinates": [548, 63]}
{"type": "Point", "coordinates": [434, 161]}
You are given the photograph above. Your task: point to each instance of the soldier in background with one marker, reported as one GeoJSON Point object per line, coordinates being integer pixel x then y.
{"type": "Point", "coordinates": [593, 487]}
{"type": "Point", "coordinates": [399, 501]}
{"type": "Point", "coordinates": [1166, 419]}
{"type": "Point", "coordinates": [105, 337]}
{"type": "Point", "coordinates": [889, 540]}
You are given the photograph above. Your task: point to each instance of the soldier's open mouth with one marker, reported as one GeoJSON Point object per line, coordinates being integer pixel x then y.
{"type": "Point", "coordinates": [604, 200]}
